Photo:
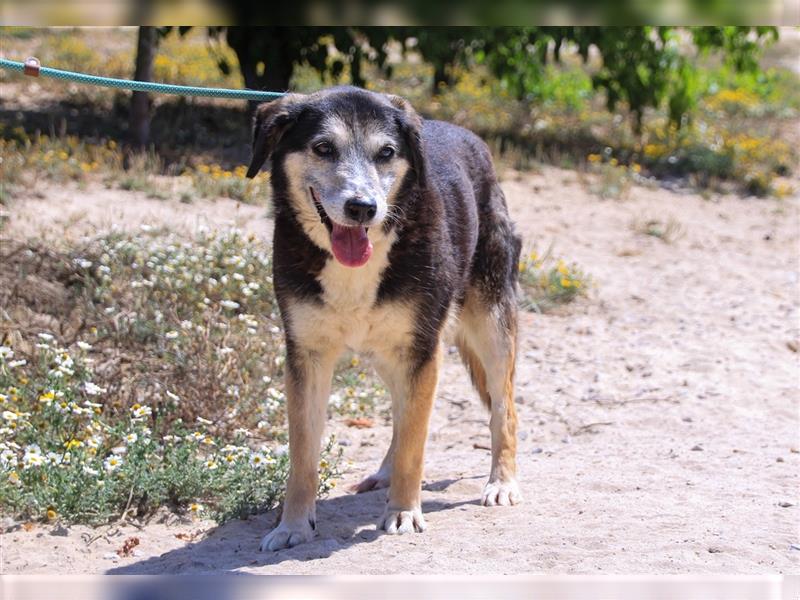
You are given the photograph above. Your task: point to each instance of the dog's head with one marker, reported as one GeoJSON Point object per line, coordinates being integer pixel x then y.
{"type": "Point", "coordinates": [345, 153]}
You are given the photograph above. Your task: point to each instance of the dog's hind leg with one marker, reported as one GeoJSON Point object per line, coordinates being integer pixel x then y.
{"type": "Point", "coordinates": [308, 385]}
{"type": "Point", "coordinates": [381, 478]}
{"type": "Point", "coordinates": [486, 340]}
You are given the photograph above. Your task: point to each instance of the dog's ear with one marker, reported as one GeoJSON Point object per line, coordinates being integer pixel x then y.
{"type": "Point", "coordinates": [411, 127]}
{"type": "Point", "coordinates": [271, 121]}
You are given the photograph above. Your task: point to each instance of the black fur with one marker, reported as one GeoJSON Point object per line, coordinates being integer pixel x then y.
{"type": "Point", "coordinates": [452, 223]}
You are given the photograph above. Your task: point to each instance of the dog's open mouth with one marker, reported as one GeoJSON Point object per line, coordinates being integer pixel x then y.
{"type": "Point", "coordinates": [350, 245]}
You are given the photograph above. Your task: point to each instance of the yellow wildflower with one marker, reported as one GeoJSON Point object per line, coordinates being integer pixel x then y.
{"type": "Point", "coordinates": [654, 150]}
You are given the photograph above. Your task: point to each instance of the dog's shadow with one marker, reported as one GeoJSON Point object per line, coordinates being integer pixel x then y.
{"type": "Point", "coordinates": [342, 522]}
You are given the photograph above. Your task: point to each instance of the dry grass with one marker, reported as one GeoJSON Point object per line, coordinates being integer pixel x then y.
{"type": "Point", "coordinates": [667, 230]}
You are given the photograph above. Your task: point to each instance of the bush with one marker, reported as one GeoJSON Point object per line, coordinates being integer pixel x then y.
{"type": "Point", "coordinates": [212, 181]}
{"type": "Point", "coordinates": [547, 282]}
{"type": "Point", "coordinates": [66, 454]}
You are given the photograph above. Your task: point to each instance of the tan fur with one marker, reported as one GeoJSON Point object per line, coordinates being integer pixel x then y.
{"type": "Point", "coordinates": [488, 347]}
{"type": "Point", "coordinates": [412, 415]}
{"type": "Point", "coordinates": [306, 401]}
{"type": "Point", "coordinates": [475, 370]}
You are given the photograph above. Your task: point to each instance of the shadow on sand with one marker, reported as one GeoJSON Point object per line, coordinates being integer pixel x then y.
{"type": "Point", "coordinates": [226, 548]}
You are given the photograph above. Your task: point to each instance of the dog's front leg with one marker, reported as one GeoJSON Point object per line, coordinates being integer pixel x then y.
{"type": "Point", "coordinates": [308, 385]}
{"type": "Point", "coordinates": [411, 410]}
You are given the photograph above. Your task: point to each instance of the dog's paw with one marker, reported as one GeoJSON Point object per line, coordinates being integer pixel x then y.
{"type": "Point", "coordinates": [402, 521]}
{"type": "Point", "coordinates": [287, 535]}
{"type": "Point", "coordinates": [376, 481]}
{"type": "Point", "coordinates": [501, 493]}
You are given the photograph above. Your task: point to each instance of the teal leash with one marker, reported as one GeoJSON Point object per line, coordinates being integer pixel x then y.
{"type": "Point", "coordinates": [32, 67]}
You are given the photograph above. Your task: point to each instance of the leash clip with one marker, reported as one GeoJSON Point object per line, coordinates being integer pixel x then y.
{"type": "Point", "coordinates": [32, 66]}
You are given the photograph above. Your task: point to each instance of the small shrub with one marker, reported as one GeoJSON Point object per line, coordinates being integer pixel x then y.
{"type": "Point", "coordinates": [356, 392]}
{"type": "Point", "coordinates": [547, 282]}
{"type": "Point", "coordinates": [198, 314]}
{"type": "Point", "coordinates": [614, 179]}
{"type": "Point", "coordinates": [667, 231]}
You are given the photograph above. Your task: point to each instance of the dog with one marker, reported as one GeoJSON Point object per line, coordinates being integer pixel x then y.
{"type": "Point", "coordinates": [387, 227]}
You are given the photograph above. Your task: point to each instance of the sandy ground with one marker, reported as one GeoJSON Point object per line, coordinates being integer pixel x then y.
{"type": "Point", "coordinates": [658, 417]}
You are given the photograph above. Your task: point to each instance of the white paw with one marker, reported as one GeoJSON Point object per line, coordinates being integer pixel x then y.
{"type": "Point", "coordinates": [376, 481]}
{"type": "Point", "coordinates": [402, 521]}
{"type": "Point", "coordinates": [501, 493]}
{"type": "Point", "coordinates": [287, 535]}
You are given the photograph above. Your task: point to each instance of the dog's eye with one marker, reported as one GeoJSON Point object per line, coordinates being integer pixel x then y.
{"type": "Point", "coordinates": [386, 153]}
{"type": "Point", "coordinates": [323, 149]}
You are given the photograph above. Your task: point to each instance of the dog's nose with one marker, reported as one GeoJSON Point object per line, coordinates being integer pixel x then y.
{"type": "Point", "coordinates": [360, 210]}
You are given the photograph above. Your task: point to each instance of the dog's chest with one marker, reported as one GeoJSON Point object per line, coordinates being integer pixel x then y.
{"type": "Point", "coordinates": [349, 315]}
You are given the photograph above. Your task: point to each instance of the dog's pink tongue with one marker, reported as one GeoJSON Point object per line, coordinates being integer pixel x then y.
{"type": "Point", "coordinates": [351, 246]}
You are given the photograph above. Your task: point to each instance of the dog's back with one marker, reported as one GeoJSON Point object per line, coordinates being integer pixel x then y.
{"type": "Point", "coordinates": [460, 167]}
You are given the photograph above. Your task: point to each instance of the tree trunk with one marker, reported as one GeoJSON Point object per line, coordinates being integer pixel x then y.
{"type": "Point", "coordinates": [140, 102]}
{"type": "Point", "coordinates": [441, 77]}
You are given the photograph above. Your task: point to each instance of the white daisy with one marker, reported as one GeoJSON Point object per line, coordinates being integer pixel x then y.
{"type": "Point", "coordinates": [257, 460]}
{"type": "Point", "coordinates": [93, 389]}
{"type": "Point", "coordinates": [112, 463]}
